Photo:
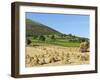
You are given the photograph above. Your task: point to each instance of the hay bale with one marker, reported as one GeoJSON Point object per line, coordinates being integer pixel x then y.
{"type": "Point", "coordinates": [41, 61]}
{"type": "Point", "coordinates": [84, 57]}
{"type": "Point", "coordinates": [84, 47]}
{"type": "Point", "coordinates": [49, 59]}
{"type": "Point", "coordinates": [27, 60]}
{"type": "Point", "coordinates": [33, 61]}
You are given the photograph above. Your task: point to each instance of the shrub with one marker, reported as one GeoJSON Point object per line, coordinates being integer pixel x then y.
{"type": "Point", "coordinates": [42, 38]}
{"type": "Point", "coordinates": [28, 41]}
{"type": "Point", "coordinates": [53, 37]}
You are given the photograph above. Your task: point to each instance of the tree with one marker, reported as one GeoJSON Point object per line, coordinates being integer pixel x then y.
{"type": "Point", "coordinates": [70, 35]}
{"type": "Point", "coordinates": [35, 36]}
{"type": "Point", "coordinates": [28, 41]}
{"type": "Point", "coordinates": [42, 38]}
{"type": "Point", "coordinates": [53, 37]}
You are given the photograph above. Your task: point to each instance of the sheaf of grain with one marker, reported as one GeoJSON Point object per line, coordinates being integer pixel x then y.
{"type": "Point", "coordinates": [54, 55]}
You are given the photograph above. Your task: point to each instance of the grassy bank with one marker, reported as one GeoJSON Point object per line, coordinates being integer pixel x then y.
{"type": "Point", "coordinates": [57, 42]}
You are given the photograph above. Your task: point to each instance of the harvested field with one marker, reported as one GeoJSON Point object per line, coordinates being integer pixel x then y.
{"type": "Point", "coordinates": [53, 55]}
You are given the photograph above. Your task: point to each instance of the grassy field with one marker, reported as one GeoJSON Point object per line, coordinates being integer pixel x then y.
{"type": "Point", "coordinates": [58, 42]}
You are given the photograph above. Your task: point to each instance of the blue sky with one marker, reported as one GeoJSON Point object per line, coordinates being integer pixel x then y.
{"type": "Point", "coordinates": [65, 23]}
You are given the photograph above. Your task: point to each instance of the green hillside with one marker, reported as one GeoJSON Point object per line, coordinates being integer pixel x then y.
{"type": "Point", "coordinates": [40, 34]}
{"type": "Point", "coordinates": [36, 28]}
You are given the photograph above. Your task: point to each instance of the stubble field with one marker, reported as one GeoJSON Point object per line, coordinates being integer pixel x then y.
{"type": "Point", "coordinates": [53, 55]}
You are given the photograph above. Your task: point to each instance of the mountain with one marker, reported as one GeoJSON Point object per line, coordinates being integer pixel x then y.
{"type": "Point", "coordinates": [36, 28]}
